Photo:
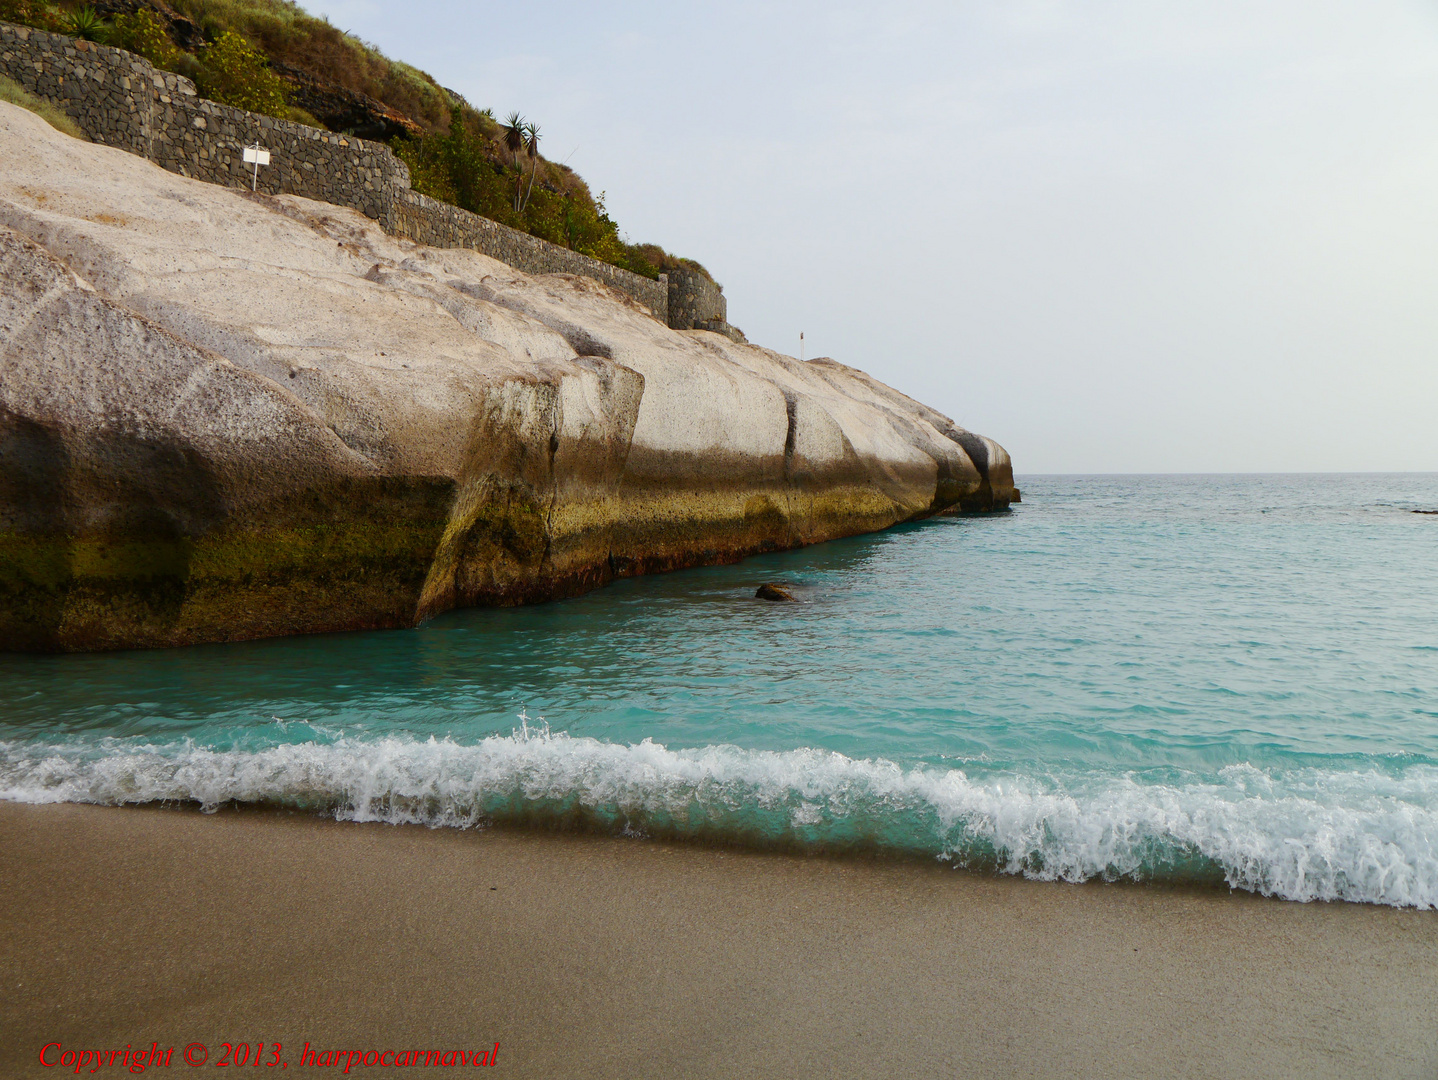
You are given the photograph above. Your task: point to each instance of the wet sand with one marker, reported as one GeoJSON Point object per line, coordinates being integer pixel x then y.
{"type": "Point", "coordinates": [584, 956]}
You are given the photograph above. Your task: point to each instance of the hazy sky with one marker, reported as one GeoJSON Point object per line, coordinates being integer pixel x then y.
{"type": "Point", "coordinates": [1148, 236]}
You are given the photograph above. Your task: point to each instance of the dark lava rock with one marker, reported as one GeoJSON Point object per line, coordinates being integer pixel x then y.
{"type": "Point", "coordinates": [183, 31]}
{"type": "Point", "coordinates": [773, 592]}
{"type": "Point", "coordinates": [344, 110]}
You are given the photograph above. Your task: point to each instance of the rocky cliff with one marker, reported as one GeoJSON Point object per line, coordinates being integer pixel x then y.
{"type": "Point", "coordinates": [225, 416]}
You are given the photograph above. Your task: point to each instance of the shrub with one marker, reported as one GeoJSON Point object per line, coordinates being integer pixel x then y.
{"type": "Point", "coordinates": [234, 72]}
{"type": "Point", "coordinates": [301, 116]}
{"type": "Point", "coordinates": [475, 172]}
{"type": "Point", "coordinates": [30, 13]}
{"type": "Point", "coordinates": [288, 34]}
{"type": "Point", "coordinates": [144, 34]}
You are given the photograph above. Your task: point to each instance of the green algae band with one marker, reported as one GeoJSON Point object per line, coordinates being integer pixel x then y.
{"type": "Point", "coordinates": [362, 566]}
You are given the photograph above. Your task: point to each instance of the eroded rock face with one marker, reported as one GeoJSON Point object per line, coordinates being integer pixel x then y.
{"type": "Point", "coordinates": [224, 416]}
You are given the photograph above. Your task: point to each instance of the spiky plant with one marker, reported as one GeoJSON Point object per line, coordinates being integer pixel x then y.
{"type": "Point", "coordinates": [531, 147]}
{"type": "Point", "coordinates": [514, 136]}
{"type": "Point", "coordinates": [514, 126]}
{"type": "Point", "coordinates": [86, 24]}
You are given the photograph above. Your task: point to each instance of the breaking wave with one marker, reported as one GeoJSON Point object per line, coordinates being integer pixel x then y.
{"type": "Point", "coordinates": [1367, 835]}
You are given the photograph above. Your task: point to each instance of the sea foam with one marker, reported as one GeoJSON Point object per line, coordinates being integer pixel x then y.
{"type": "Point", "coordinates": [1364, 835]}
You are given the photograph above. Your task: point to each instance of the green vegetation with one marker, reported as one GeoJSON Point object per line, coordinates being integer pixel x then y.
{"type": "Point", "coordinates": [145, 35]}
{"type": "Point", "coordinates": [15, 94]}
{"type": "Point", "coordinates": [258, 54]}
{"type": "Point", "coordinates": [497, 171]}
{"type": "Point", "coordinates": [26, 13]}
{"type": "Point", "coordinates": [234, 72]}
{"type": "Point", "coordinates": [288, 35]}
{"type": "Point", "coordinates": [459, 168]}
{"type": "Point", "coordinates": [85, 24]}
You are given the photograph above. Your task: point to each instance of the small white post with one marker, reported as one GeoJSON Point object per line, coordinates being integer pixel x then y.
{"type": "Point", "coordinates": [257, 156]}
{"type": "Point", "coordinates": [801, 346]}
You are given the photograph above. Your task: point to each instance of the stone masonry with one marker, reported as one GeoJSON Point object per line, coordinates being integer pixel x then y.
{"type": "Point", "coordinates": [121, 100]}
{"type": "Point", "coordinates": [427, 221]}
{"type": "Point", "coordinates": [694, 299]}
{"type": "Point", "coordinates": [697, 303]}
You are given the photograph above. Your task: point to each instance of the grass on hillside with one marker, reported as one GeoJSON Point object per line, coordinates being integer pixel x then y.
{"type": "Point", "coordinates": [457, 154]}
{"type": "Point", "coordinates": [285, 32]}
{"type": "Point", "coordinates": [16, 94]}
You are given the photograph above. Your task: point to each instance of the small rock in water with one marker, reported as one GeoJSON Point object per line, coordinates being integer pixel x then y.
{"type": "Point", "coordinates": [1425, 511]}
{"type": "Point", "coordinates": [773, 592]}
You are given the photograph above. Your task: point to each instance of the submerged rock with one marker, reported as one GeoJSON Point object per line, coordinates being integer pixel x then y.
{"type": "Point", "coordinates": [229, 416]}
{"type": "Point", "coordinates": [770, 591]}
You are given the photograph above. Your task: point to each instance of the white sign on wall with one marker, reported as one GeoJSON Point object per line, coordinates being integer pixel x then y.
{"type": "Point", "coordinates": [256, 156]}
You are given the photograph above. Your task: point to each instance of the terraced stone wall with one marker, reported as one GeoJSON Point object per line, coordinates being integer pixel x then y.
{"type": "Point", "coordinates": [427, 221]}
{"type": "Point", "coordinates": [121, 100]}
{"type": "Point", "coordinates": [695, 300]}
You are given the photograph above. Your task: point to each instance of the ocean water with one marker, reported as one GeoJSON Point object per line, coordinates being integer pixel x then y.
{"type": "Point", "coordinates": [1209, 679]}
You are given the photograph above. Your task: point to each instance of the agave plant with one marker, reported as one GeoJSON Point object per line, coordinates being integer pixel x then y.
{"type": "Point", "coordinates": [514, 127]}
{"type": "Point", "coordinates": [514, 135]}
{"type": "Point", "coordinates": [531, 147]}
{"type": "Point", "coordinates": [86, 24]}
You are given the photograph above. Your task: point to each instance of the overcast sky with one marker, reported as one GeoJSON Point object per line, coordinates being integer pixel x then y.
{"type": "Point", "coordinates": [1116, 237]}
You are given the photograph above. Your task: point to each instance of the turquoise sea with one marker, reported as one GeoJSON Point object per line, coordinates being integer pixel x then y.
{"type": "Point", "coordinates": [1212, 679]}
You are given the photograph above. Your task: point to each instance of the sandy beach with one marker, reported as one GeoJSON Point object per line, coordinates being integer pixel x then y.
{"type": "Point", "coordinates": [624, 958]}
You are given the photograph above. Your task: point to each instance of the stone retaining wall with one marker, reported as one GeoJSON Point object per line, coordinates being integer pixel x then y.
{"type": "Point", "coordinates": [697, 303]}
{"type": "Point", "coordinates": [694, 299]}
{"type": "Point", "coordinates": [427, 221]}
{"type": "Point", "coordinates": [120, 99]}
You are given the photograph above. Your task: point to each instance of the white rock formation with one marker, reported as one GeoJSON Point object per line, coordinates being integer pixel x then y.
{"type": "Point", "coordinates": [227, 416]}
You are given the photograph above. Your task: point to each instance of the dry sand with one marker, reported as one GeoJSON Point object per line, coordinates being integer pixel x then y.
{"type": "Point", "coordinates": [586, 957]}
